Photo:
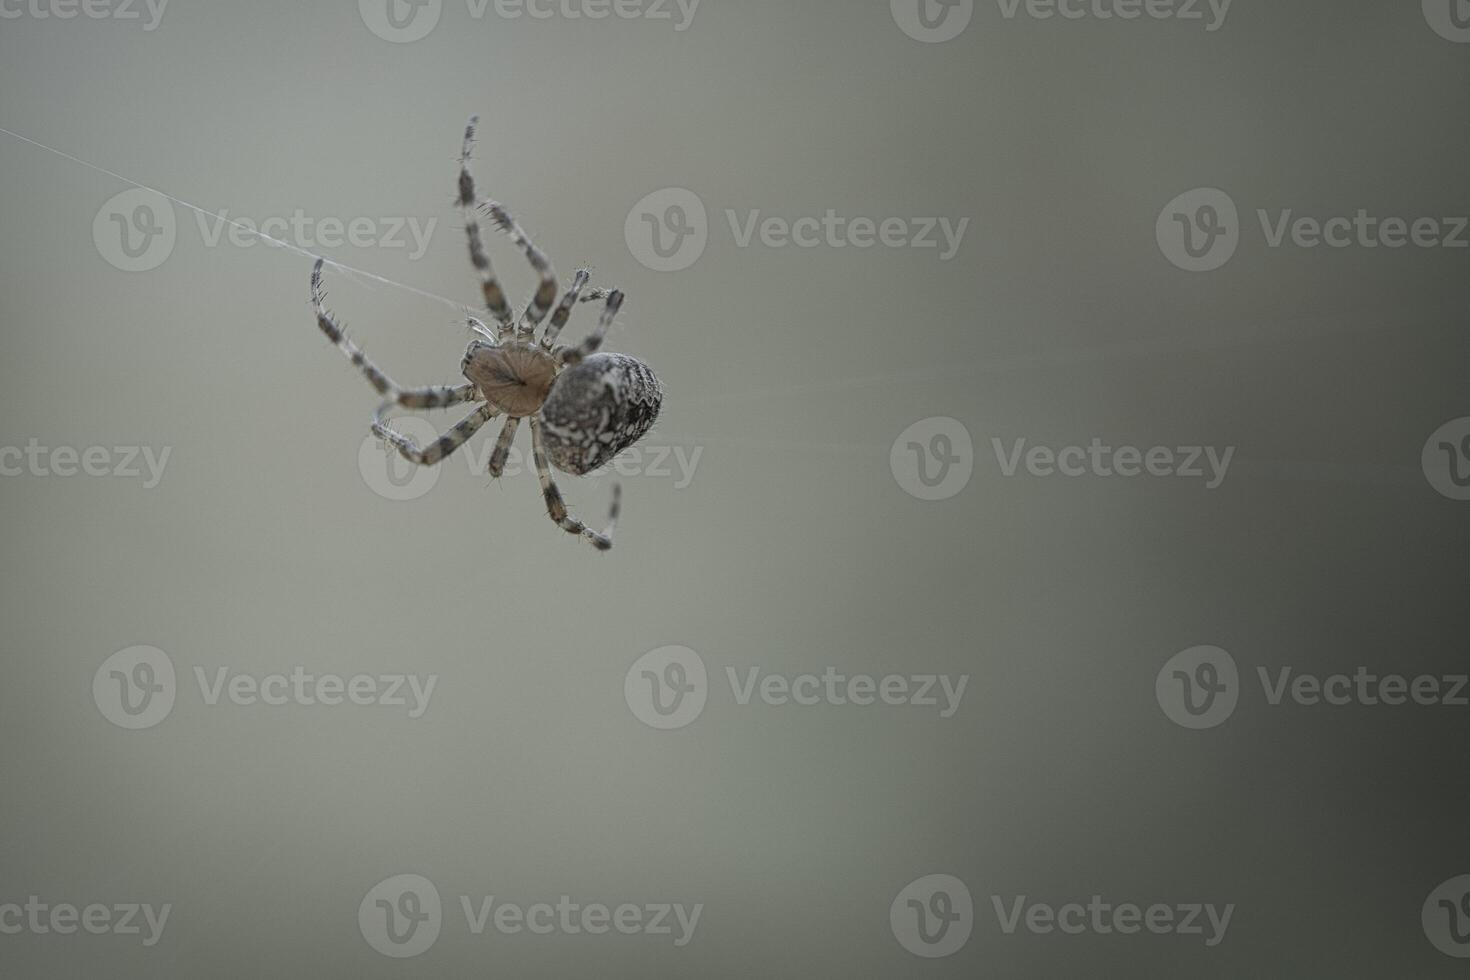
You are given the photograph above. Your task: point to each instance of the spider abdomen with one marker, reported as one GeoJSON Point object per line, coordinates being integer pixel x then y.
{"type": "Point", "coordinates": [596, 409]}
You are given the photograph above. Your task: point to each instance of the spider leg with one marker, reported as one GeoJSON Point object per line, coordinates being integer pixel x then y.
{"type": "Point", "coordinates": [435, 397]}
{"type": "Point", "coordinates": [494, 295]}
{"type": "Point", "coordinates": [439, 448]}
{"type": "Point", "coordinates": [545, 294]}
{"type": "Point", "coordinates": [502, 447]}
{"type": "Point", "coordinates": [556, 508]}
{"type": "Point", "coordinates": [590, 346]}
{"type": "Point", "coordinates": [563, 311]}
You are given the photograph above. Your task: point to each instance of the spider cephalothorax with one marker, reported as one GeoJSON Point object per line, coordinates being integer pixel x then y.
{"type": "Point", "coordinates": [583, 407]}
{"type": "Point", "coordinates": [515, 378]}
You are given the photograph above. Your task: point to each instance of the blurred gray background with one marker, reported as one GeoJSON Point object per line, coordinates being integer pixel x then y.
{"type": "Point", "coordinates": [793, 546]}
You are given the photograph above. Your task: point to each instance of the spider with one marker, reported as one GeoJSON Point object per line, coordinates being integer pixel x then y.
{"type": "Point", "coordinates": [583, 407]}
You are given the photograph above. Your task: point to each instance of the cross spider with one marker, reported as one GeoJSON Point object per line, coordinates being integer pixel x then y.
{"type": "Point", "coordinates": [583, 407]}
